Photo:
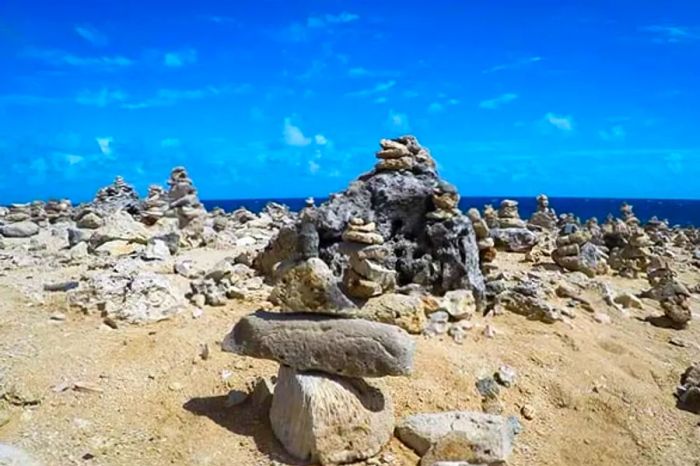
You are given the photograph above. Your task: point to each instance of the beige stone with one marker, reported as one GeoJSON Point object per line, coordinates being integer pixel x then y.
{"type": "Point", "coordinates": [402, 163]}
{"type": "Point", "coordinates": [406, 312]}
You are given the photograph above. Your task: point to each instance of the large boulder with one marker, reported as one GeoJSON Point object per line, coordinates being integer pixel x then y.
{"type": "Point", "coordinates": [120, 226]}
{"type": "Point", "coordinates": [19, 230]}
{"type": "Point", "coordinates": [473, 437]}
{"type": "Point", "coordinates": [330, 419]}
{"type": "Point", "coordinates": [514, 239]}
{"type": "Point", "coordinates": [308, 286]}
{"type": "Point", "coordinates": [349, 347]}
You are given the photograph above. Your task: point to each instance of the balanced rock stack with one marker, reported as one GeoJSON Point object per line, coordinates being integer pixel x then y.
{"type": "Point", "coordinates": [117, 196]}
{"type": "Point", "coordinates": [410, 213]}
{"type": "Point", "coordinates": [511, 232]}
{"type": "Point", "coordinates": [628, 216]}
{"type": "Point", "coordinates": [575, 252]}
{"type": "Point", "coordinates": [323, 409]}
{"type": "Point", "coordinates": [403, 153]}
{"type": "Point", "coordinates": [366, 276]}
{"type": "Point", "coordinates": [544, 217]}
{"type": "Point", "coordinates": [155, 206]}
{"type": "Point", "coordinates": [18, 222]}
{"type": "Point", "coordinates": [18, 213]}
{"type": "Point", "coordinates": [672, 294]}
{"type": "Point", "coordinates": [486, 244]}
{"type": "Point", "coordinates": [59, 211]}
{"type": "Point", "coordinates": [183, 197]}
{"type": "Point", "coordinates": [491, 216]}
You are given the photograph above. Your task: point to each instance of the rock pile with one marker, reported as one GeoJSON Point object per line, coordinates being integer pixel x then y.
{"type": "Point", "coordinates": [59, 211]}
{"type": "Point", "coordinates": [182, 196]}
{"type": "Point", "coordinates": [484, 241]}
{"type": "Point", "coordinates": [366, 275]}
{"type": "Point", "coordinates": [18, 213]}
{"type": "Point", "coordinates": [510, 230]}
{"type": "Point", "coordinates": [155, 206]}
{"type": "Point", "coordinates": [436, 251]}
{"type": "Point", "coordinates": [117, 196]}
{"type": "Point", "coordinates": [672, 294]}
{"type": "Point", "coordinates": [577, 253]}
{"type": "Point", "coordinates": [544, 217]}
{"type": "Point", "coordinates": [323, 410]}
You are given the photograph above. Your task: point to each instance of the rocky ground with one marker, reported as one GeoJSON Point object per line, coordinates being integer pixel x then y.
{"type": "Point", "coordinates": [576, 337]}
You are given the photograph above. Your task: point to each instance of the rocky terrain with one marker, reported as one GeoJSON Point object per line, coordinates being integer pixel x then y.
{"type": "Point", "coordinates": [382, 327]}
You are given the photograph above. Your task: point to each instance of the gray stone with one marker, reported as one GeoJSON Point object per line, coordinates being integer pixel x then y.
{"type": "Point", "coordinates": [487, 387]}
{"type": "Point", "coordinates": [90, 220]}
{"type": "Point", "coordinates": [506, 376]}
{"type": "Point", "coordinates": [349, 347]}
{"type": "Point", "coordinates": [459, 436]}
{"type": "Point", "coordinates": [156, 250]}
{"type": "Point", "coordinates": [309, 286]}
{"type": "Point", "coordinates": [459, 304]}
{"type": "Point", "coordinates": [514, 239]}
{"type": "Point", "coordinates": [329, 419]}
{"type": "Point", "coordinates": [19, 230]}
{"type": "Point", "coordinates": [119, 226]}
{"type": "Point", "coordinates": [76, 236]}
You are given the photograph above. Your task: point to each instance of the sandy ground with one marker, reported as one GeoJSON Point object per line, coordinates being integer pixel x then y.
{"type": "Point", "coordinates": [601, 393]}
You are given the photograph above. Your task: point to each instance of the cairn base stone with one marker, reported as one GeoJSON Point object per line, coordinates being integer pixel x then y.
{"type": "Point", "coordinates": [330, 419]}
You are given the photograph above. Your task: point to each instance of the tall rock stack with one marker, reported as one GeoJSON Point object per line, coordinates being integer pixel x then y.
{"type": "Point", "coordinates": [575, 252]}
{"type": "Point", "coordinates": [510, 232]}
{"type": "Point", "coordinates": [109, 200]}
{"type": "Point", "coordinates": [155, 206]}
{"type": "Point", "coordinates": [59, 211]}
{"type": "Point", "coordinates": [486, 244]}
{"type": "Point", "coordinates": [366, 275]}
{"type": "Point", "coordinates": [183, 197]}
{"type": "Point", "coordinates": [18, 213]}
{"type": "Point", "coordinates": [437, 251]}
{"type": "Point", "coordinates": [323, 409]}
{"type": "Point", "coordinates": [674, 297]}
{"type": "Point", "coordinates": [544, 217]}
{"type": "Point", "coordinates": [628, 216]}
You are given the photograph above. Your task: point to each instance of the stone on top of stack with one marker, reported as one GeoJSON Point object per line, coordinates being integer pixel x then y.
{"type": "Point", "coordinates": [118, 196]}
{"type": "Point", "coordinates": [323, 409]}
{"type": "Point", "coordinates": [486, 244]}
{"type": "Point", "coordinates": [544, 217]}
{"type": "Point", "coordinates": [19, 222]}
{"type": "Point", "coordinates": [404, 153]}
{"type": "Point", "coordinates": [575, 252]}
{"type": "Point", "coordinates": [155, 206]}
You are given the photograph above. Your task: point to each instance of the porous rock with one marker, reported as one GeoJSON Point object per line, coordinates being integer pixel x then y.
{"type": "Point", "coordinates": [401, 310]}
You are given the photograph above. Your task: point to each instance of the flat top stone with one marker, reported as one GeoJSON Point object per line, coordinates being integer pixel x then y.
{"type": "Point", "coordinates": [349, 347]}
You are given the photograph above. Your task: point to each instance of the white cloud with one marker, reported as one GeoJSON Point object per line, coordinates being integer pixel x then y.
{"type": "Point", "coordinates": [73, 159]}
{"type": "Point", "coordinates": [560, 122]}
{"type": "Point", "coordinates": [91, 35]}
{"type": "Point", "coordinates": [314, 167]}
{"type": "Point", "coordinates": [170, 142]}
{"type": "Point", "coordinates": [616, 133]}
{"type": "Point", "coordinates": [398, 121]}
{"type": "Point", "coordinates": [105, 144]}
{"type": "Point", "coordinates": [377, 89]}
{"type": "Point", "coordinates": [668, 34]}
{"type": "Point", "coordinates": [326, 20]}
{"type": "Point", "coordinates": [59, 58]}
{"type": "Point", "coordinates": [497, 102]}
{"type": "Point", "coordinates": [513, 65]}
{"type": "Point", "coordinates": [320, 140]}
{"type": "Point", "coordinates": [100, 98]}
{"type": "Point", "coordinates": [293, 135]}
{"type": "Point", "coordinates": [180, 58]}
{"type": "Point", "coordinates": [436, 107]}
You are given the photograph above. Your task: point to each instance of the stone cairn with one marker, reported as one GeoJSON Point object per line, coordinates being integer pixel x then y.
{"type": "Point", "coordinates": [366, 276]}
{"type": "Point", "coordinates": [486, 244]}
{"type": "Point", "coordinates": [182, 196]}
{"type": "Point", "coordinates": [59, 211]}
{"type": "Point", "coordinates": [323, 409]}
{"type": "Point", "coordinates": [18, 213]}
{"type": "Point", "coordinates": [575, 252]}
{"type": "Point", "coordinates": [509, 230]}
{"type": "Point", "coordinates": [155, 206]}
{"type": "Point", "coordinates": [508, 216]}
{"type": "Point", "coordinates": [403, 153]}
{"type": "Point", "coordinates": [672, 294]}
{"type": "Point", "coordinates": [108, 200]}
{"type": "Point", "coordinates": [628, 243]}
{"type": "Point", "coordinates": [544, 217]}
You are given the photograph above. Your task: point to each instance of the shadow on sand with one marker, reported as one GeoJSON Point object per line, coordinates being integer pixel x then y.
{"type": "Point", "coordinates": [245, 419]}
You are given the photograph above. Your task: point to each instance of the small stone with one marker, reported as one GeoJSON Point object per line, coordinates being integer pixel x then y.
{"type": "Point", "coordinates": [602, 318]}
{"type": "Point", "coordinates": [111, 323]}
{"type": "Point", "coordinates": [175, 386]}
{"type": "Point", "coordinates": [197, 312]}
{"type": "Point", "coordinates": [487, 387]}
{"type": "Point", "coordinates": [528, 412]}
{"type": "Point", "coordinates": [87, 387]}
{"type": "Point", "coordinates": [677, 341]}
{"type": "Point", "coordinates": [506, 376]}
{"type": "Point", "coordinates": [489, 331]}
{"type": "Point", "coordinates": [58, 316]}
{"type": "Point", "coordinates": [204, 351]}
{"type": "Point", "coordinates": [198, 300]}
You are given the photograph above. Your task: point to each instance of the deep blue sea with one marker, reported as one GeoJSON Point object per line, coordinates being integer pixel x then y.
{"type": "Point", "coordinates": [677, 211]}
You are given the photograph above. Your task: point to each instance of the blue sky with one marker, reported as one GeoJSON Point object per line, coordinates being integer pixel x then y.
{"type": "Point", "coordinates": [287, 99]}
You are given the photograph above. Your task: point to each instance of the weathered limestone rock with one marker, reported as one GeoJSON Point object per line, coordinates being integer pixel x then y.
{"type": "Point", "coordinates": [308, 286]}
{"type": "Point", "coordinates": [514, 239]}
{"type": "Point", "coordinates": [119, 226]}
{"type": "Point", "coordinates": [23, 229]}
{"type": "Point", "coordinates": [688, 393]}
{"type": "Point", "coordinates": [330, 419]}
{"type": "Point", "coordinates": [90, 220]}
{"type": "Point", "coordinates": [459, 304]}
{"type": "Point", "coordinates": [486, 244]}
{"type": "Point", "coordinates": [508, 216]}
{"type": "Point", "coordinates": [474, 437]}
{"type": "Point", "coordinates": [404, 311]}
{"type": "Point", "coordinates": [155, 206]}
{"type": "Point", "coordinates": [544, 217]}
{"type": "Point", "coordinates": [112, 198]}
{"type": "Point", "coordinates": [673, 295]}
{"type": "Point", "coordinates": [349, 347]}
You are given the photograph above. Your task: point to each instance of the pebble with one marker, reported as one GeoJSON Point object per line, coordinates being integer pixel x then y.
{"type": "Point", "coordinates": [175, 386]}
{"type": "Point", "coordinates": [87, 387]}
{"type": "Point", "coordinates": [487, 387]}
{"type": "Point", "coordinates": [111, 323]}
{"type": "Point", "coordinates": [204, 351]}
{"type": "Point", "coordinates": [602, 318]}
{"type": "Point", "coordinates": [506, 376]}
{"type": "Point", "coordinates": [489, 331]}
{"type": "Point", "coordinates": [197, 313]}
{"type": "Point", "coordinates": [528, 412]}
{"type": "Point", "coordinates": [676, 341]}
{"type": "Point", "coordinates": [58, 316]}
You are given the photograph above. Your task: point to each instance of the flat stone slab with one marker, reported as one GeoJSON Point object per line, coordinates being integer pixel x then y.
{"type": "Point", "coordinates": [473, 437]}
{"type": "Point", "coordinates": [349, 347]}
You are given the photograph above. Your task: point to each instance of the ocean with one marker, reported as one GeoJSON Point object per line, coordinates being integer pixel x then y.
{"type": "Point", "coordinates": [676, 211]}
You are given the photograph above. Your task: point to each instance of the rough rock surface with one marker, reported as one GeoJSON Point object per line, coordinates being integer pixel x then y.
{"type": "Point", "coordinates": [119, 226]}
{"type": "Point", "coordinates": [401, 310]}
{"type": "Point", "coordinates": [689, 390]}
{"type": "Point", "coordinates": [477, 438]}
{"type": "Point", "coordinates": [329, 419]}
{"type": "Point", "coordinates": [23, 229]}
{"type": "Point", "coordinates": [349, 347]}
{"type": "Point", "coordinates": [514, 239]}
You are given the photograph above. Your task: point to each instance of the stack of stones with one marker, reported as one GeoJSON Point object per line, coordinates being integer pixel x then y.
{"type": "Point", "coordinates": [18, 222]}
{"type": "Point", "coordinates": [59, 211]}
{"type": "Point", "coordinates": [366, 275]}
{"type": "Point", "coordinates": [486, 244]}
{"type": "Point", "coordinates": [673, 295]}
{"type": "Point", "coordinates": [545, 217]}
{"type": "Point", "coordinates": [629, 244]}
{"type": "Point", "coordinates": [595, 230]}
{"type": "Point", "coordinates": [38, 212]}
{"type": "Point", "coordinates": [659, 231]}
{"type": "Point", "coordinates": [491, 216]}
{"type": "Point", "coordinates": [575, 252]}
{"type": "Point", "coordinates": [402, 153]}
{"type": "Point", "coordinates": [155, 206]}
{"type": "Point", "coordinates": [117, 196]}
{"type": "Point", "coordinates": [510, 231]}
{"type": "Point", "coordinates": [628, 215]}
{"type": "Point", "coordinates": [446, 202]}
{"type": "Point", "coordinates": [323, 409]}
{"type": "Point", "coordinates": [18, 213]}
{"type": "Point", "coordinates": [183, 197]}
